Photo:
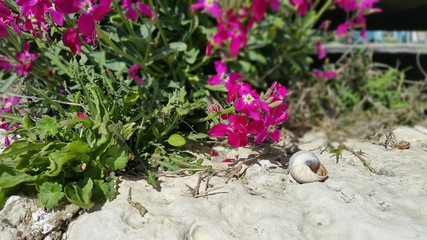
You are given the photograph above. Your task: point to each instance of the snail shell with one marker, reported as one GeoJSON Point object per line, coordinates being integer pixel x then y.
{"type": "Point", "coordinates": [305, 167]}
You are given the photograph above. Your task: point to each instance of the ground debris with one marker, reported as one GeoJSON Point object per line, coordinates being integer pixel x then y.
{"type": "Point", "coordinates": [22, 219]}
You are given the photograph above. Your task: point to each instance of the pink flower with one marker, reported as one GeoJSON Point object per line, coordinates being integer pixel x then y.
{"type": "Point", "coordinates": [91, 12]}
{"type": "Point", "coordinates": [323, 74]}
{"type": "Point", "coordinates": [249, 103]}
{"type": "Point", "coordinates": [259, 7]}
{"type": "Point", "coordinates": [71, 39]}
{"type": "Point", "coordinates": [9, 103]}
{"type": "Point", "coordinates": [6, 65]}
{"type": "Point", "coordinates": [367, 6]}
{"type": "Point", "coordinates": [7, 18]}
{"type": "Point", "coordinates": [222, 76]}
{"type": "Point", "coordinates": [343, 28]}
{"type": "Point", "coordinates": [208, 6]}
{"type": "Point", "coordinates": [34, 9]}
{"type": "Point", "coordinates": [302, 6]}
{"type": "Point", "coordinates": [136, 8]}
{"type": "Point", "coordinates": [232, 29]}
{"type": "Point", "coordinates": [6, 141]}
{"type": "Point", "coordinates": [208, 51]}
{"type": "Point", "coordinates": [265, 128]}
{"type": "Point", "coordinates": [236, 130]}
{"type": "Point", "coordinates": [274, 4]}
{"type": "Point", "coordinates": [347, 5]}
{"type": "Point", "coordinates": [26, 60]}
{"type": "Point", "coordinates": [82, 115]}
{"type": "Point", "coordinates": [132, 73]}
{"type": "Point", "coordinates": [321, 52]}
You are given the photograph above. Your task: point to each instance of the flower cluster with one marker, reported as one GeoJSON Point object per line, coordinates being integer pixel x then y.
{"type": "Point", "coordinates": [135, 8]}
{"type": "Point", "coordinates": [361, 8]}
{"type": "Point", "coordinates": [5, 125]}
{"type": "Point", "coordinates": [233, 26]}
{"type": "Point", "coordinates": [256, 114]}
{"type": "Point", "coordinates": [24, 64]}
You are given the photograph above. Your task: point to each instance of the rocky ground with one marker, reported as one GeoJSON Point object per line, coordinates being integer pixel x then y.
{"type": "Point", "coordinates": [376, 190]}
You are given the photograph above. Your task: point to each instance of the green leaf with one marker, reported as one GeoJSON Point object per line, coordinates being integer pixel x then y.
{"type": "Point", "coordinates": [112, 186]}
{"type": "Point", "coordinates": [27, 122]}
{"type": "Point", "coordinates": [151, 179]}
{"type": "Point", "coordinates": [98, 57]}
{"type": "Point", "coordinates": [128, 130]}
{"type": "Point", "coordinates": [46, 127]}
{"type": "Point", "coordinates": [78, 147]}
{"type": "Point", "coordinates": [191, 56]}
{"type": "Point", "coordinates": [57, 160]}
{"type": "Point", "coordinates": [10, 177]}
{"type": "Point", "coordinates": [156, 132]}
{"type": "Point", "coordinates": [80, 193]}
{"type": "Point", "coordinates": [176, 140]}
{"type": "Point", "coordinates": [131, 97]}
{"type": "Point", "coordinates": [100, 191]}
{"type": "Point", "coordinates": [50, 194]}
{"type": "Point", "coordinates": [54, 104]}
{"type": "Point", "coordinates": [168, 49]}
{"type": "Point", "coordinates": [197, 136]}
{"type": "Point", "coordinates": [8, 83]}
{"type": "Point", "coordinates": [11, 117]}
{"type": "Point", "coordinates": [116, 158]}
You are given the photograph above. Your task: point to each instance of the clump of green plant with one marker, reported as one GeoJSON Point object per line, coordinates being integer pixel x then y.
{"type": "Point", "coordinates": [122, 85]}
{"type": "Point", "coordinates": [362, 89]}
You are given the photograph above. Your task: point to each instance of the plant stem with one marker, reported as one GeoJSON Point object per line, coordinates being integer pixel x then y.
{"type": "Point", "coordinates": [212, 116]}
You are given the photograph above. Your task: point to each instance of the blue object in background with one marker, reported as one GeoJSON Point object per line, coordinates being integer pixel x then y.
{"type": "Point", "coordinates": [402, 36]}
{"type": "Point", "coordinates": [375, 36]}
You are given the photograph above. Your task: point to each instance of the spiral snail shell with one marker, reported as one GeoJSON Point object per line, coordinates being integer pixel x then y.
{"type": "Point", "coordinates": [305, 167]}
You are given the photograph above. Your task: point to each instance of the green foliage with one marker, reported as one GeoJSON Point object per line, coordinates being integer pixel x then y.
{"type": "Point", "coordinates": [50, 194]}
{"type": "Point", "coordinates": [88, 120]}
{"type": "Point", "coordinates": [73, 143]}
{"type": "Point", "coordinates": [361, 87]}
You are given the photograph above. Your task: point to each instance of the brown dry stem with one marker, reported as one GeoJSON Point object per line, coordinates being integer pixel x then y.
{"type": "Point", "coordinates": [359, 156]}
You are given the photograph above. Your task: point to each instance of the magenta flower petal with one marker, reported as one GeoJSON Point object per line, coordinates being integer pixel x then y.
{"type": "Point", "coordinates": [86, 24]}
{"type": "Point", "coordinates": [235, 45]}
{"type": "Point", "coordinates": [9, 103]}
{"type": "Point", "coordinates": [283, 117]}
{"type": "Point", "coordinates": [138, 80]}
{"type": "Point", "coordinates": [71, 39]}
{"type": "Point", "coordinates": [255, 127]}
{"type": "Point", "coordinates": [3, 30]}
{"type": "Point", "coordinates": [259, 7]}
{"type": "Point", "coordinates": [262, 135]}
{"type": "Point", "coordinates": [98, 11]}
{"type": "Point", "coordinates": [321, 52]}
{"type": "Point", "coordinates": [218, 130]}
{"type": "Point", "coordinates": [275, 135]}
{"type": "Point", "coordinates": [215, 80]}
{"type": "Point", "coordinates": [234, 76]}
{"type": "Point", "coordinates": [6, 141]}
{"type": "Point", "coordinates": [132, 14]}
{"type": "Point", "coordinates": [6, 65]}
{"type": "Point", "coordinates": [145, 9]}
{"type": "Point", "coordinates": [67, 6]}
{"type": "Point", "coordinates": [233, 139]}
{"type": "Point", "coordinates": [347, 5]}
{"type": "Point", "coordinates": [243, 138]}
{"type": "Point", "coordinates": [274, 4]}
{"type": "Point", "coordinates": [57, 17]}
{"type": "Point", "coordinates": [342, 29]}
{"type": "Point", "coordinates": [220, 67]}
